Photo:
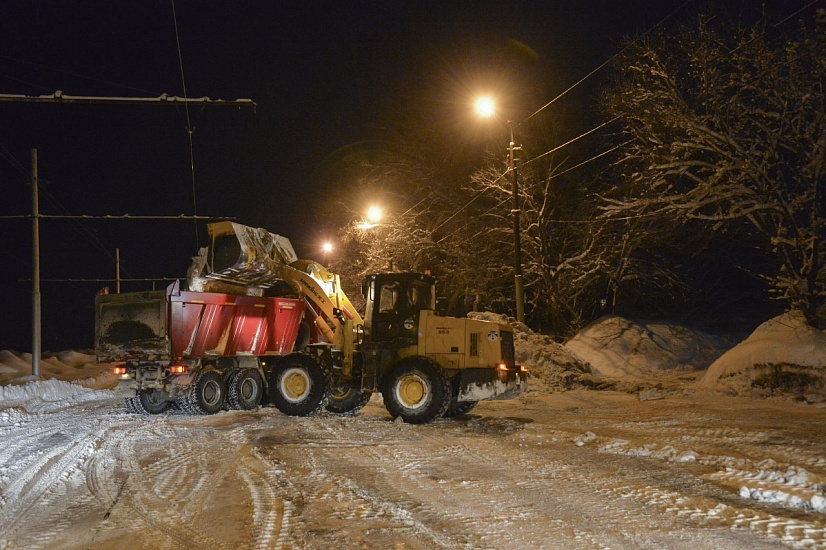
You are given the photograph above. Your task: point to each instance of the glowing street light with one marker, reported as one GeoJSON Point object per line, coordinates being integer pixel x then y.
{"type": "Point", "coordinates": [486, 107]}
{"type": "Point", "coordinates": [327, 247]}
{"type": "Point", "coordinates": [372, 218]}
{"type": "Point", "coordinates": [374, 214]}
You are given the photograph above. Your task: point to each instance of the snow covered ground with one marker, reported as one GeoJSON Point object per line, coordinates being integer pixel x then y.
{"type": "Point", "coordinates": [633, 435]}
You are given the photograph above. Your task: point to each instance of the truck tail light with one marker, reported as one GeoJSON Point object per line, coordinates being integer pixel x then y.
{"type": "Point", "coordinates": [119, 370]}
{"type": "Point", "coordinates": [177, 369]}
{"type": "Point", "coordinates": [502, 366]}
{"type": "Point", "coordinates": [523, 369]}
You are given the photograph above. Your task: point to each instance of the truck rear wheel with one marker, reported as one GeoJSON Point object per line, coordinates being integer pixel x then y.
{"type": "Point", "coordinates": [152, 401]}
{"type": "Point", "coordinates": [300, 385]}
{"type": "Point", "coordinates": [418, 393]}
{"type": "Point", "coordinates": [206, 394]}
{"type": "Point", "coordinates": [245, 388]}
{"type": "Point", "coordinates": [348, 400]}
{"type": "Point", "coordinates": [146, 402]}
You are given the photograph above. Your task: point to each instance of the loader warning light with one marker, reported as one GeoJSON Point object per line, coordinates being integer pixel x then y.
{"type": "Point", "coordinates": [119, 370]}
{"type": "Point", "coordinates": [177, 369]}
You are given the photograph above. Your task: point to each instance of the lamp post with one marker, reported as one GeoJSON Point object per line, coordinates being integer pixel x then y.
{"type": "Point", "coordinates": [485, 107]}
{"type": "Point", "coordinates": [327, 248]}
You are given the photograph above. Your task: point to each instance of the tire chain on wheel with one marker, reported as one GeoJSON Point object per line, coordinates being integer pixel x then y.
{"type": "Point", "coordinates": [134, 406]}
{"type": "Point", "coordinates": [234, 400]}
{"type": "Point", "coordinates": [188, 401]}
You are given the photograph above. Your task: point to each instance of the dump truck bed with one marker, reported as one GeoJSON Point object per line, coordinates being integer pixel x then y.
{"type": "Point", "coordinates": [173, 325]}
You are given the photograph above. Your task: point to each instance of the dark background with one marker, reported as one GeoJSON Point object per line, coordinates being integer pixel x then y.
{"type": "Point", "coordinates": [324, 76]}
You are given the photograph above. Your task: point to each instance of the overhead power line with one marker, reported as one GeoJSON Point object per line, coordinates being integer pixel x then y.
{"type": "Point", "coordinates": [606, 62]}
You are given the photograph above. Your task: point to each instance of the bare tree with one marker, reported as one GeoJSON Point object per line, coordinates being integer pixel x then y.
{"type": "Point", "coordinates": [728, 127]}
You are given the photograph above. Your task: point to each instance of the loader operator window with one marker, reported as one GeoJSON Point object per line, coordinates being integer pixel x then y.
{"type": "Point", "coordinates": [421, 295]}
{"type": "Point", "coordinates": [388, 298]}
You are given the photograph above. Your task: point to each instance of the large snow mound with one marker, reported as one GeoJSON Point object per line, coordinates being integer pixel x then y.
{"type": "Point", "coordinates": [550, 366]}
{"type": "Point", "coordinates": [619, 348]}
{"type": "Point", "coordinates": [784, 344]}
{"type": "Point", "coordinates": [16, 368]}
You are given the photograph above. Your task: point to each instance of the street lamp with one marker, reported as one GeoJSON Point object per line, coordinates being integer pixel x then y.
{"type": "Point", "coordinates": [372, 218]}
{"type": "Point", "coordinates": [374, 214]}
{"type": "Point", "coordinates": [486, 107]}
{"type": "Point", "coordinates": [327, 247]}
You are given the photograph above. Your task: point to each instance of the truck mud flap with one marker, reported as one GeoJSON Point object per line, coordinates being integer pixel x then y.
{"type": "Point", "coordinates": [489, 384]}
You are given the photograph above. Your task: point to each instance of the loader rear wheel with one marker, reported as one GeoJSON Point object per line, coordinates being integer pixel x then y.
{"type": "Point", "coordinates": [152, 401]}
{"type": "Point", "coordinates": [245, 388]}
{"type": "Point", "coordinates": [459, 408]}
{"type": "Point", "coordinates": [300, 385]}
{"type": "Point", "coordinates": [418, 393]}
{"type": "Point", "coordinates": [348, 400]}
{"type": "Point", "coordinates": [206, 394]}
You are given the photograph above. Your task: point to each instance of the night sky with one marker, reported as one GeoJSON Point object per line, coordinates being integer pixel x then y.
{"type": "Point", "coordinates": [324, 75]}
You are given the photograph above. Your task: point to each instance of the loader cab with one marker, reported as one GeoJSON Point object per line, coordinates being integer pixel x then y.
{"type": "Point", "coordinates": [394, 301]}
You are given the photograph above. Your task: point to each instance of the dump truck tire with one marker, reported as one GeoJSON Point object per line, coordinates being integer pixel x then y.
{"type": "Point", "coordinates": [348, 400]}
{"type": "Point", "coordinates": [206, 395]}
{"type": "Point", "coordinates": [417, 392]}
{"type": "Point", "coordinates": [300, 385]}
{"type": "Point", "coordinates": [151, 402]}
{"type": "Point", "coordinates": [245, 389]}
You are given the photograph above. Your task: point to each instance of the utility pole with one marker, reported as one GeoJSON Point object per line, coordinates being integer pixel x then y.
{"type": "Point", "coordinates": [517, 238]}
{"type": "Point", "coordinates": [36, 325]}
{"type": "Point", "coordinates": [117, 271]}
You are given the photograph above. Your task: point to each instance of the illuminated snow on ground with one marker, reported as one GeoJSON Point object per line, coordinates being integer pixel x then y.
{"type": "Point", "coordinates": [632, 435]}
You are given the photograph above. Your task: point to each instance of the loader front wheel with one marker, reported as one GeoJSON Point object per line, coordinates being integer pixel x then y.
{"type": "Point", "coordinates": [300, 386]}
{"type": "Point", "coordinates": [245, 387]}
{"type": "Point", "coordinates": [348, 400]}
{"type": "Point", "coordinates": [418, 393]}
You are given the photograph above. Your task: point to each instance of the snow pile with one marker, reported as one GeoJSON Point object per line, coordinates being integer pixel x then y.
{"type": "Point", "coordinates": [618, 348]}
{"type": "Point", "coordinates": [16, 368]}
{"type": "Point", "coordinates": [36, 397]}
{"type": "Point", "coordinates": [783, 354]}
{"type": "Point", "coordinates": [550, 365]}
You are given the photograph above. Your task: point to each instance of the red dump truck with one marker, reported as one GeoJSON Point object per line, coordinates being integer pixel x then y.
{"type": "Point", "coordinates": [212, 347]}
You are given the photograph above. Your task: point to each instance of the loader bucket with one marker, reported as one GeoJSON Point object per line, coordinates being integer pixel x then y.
{"type": "Point", "coordinates": [247, 256]}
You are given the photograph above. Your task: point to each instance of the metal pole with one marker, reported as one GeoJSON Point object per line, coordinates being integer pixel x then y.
{"type": "Point", "coordinates": [36, 330]}
{"type": "Point", "coordinates": [117, 271]}
{"type": "Point", "coordinates": [517, 239]}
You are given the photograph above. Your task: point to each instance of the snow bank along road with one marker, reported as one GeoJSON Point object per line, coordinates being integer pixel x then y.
{"type": "Point", "coordinates": [571, 470]}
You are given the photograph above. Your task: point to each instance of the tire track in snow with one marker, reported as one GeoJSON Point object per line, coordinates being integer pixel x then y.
{"type": "Point", "coordinates": [152, 510]}
{"type": "Point", "coordinates": [26, 495]}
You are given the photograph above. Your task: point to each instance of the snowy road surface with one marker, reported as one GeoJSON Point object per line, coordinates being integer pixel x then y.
{"type": "Point", "coordinates": [579, 469]}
